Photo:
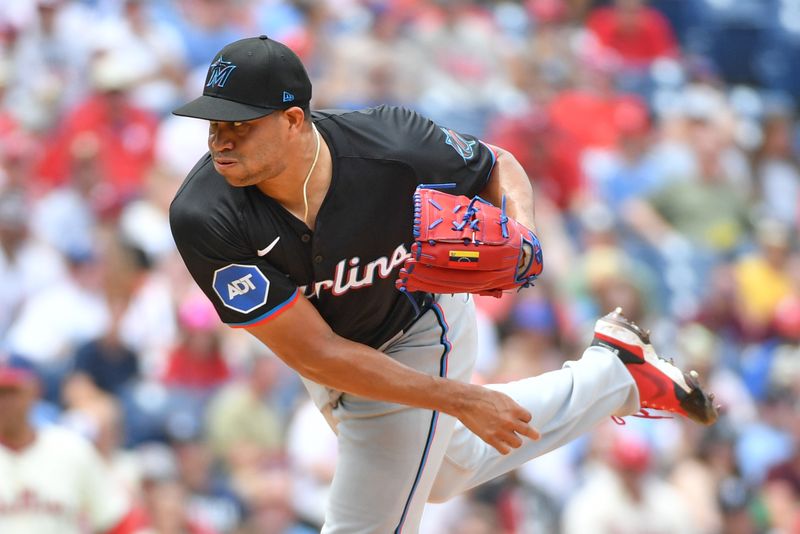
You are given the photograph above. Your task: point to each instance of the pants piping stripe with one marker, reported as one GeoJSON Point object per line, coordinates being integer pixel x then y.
{"type": "Point", "coordinates": [447, 347]}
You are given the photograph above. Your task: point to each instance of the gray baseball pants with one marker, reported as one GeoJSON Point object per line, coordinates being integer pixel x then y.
{"type": "Point", "coordinates": [393, 458]}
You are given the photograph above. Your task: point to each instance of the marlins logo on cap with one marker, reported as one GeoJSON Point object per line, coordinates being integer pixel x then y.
{"type": "Point", "coordinates": [219, 72]}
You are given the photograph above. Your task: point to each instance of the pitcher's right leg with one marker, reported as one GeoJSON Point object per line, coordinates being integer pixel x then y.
{"type": "Point", "coordinates": [564, 403]}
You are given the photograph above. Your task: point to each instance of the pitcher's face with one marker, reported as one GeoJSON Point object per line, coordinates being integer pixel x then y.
{"type": "Point", "coordinates": [249, 152]}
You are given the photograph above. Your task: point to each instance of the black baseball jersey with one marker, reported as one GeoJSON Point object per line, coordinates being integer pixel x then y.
{"type": "Point", "coordinates": [253, 259]}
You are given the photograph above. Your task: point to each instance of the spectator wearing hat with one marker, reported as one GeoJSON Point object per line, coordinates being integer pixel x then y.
{"type": "Point", "coordinates": [240, 419]}
{"type": "Point", "coordinates": [52, 479]}
{"type": "Point", "coordinates": [151, 48]}
{"type": "Point", "coordinates": [762, 278]}
{"type": "Point", "coordinates": [549, 154]}
{"type": "Point", "coordinates": [194, 368]}
{"type": "Point", "coordinates": [532, 328]}
{"type": "Point", "coordinates": [638, 33]}
{"type": "Point", "coordinates": [108, 133]}
{"type": "Point", "coordinates": [27, 266]}
{"type": "Point", "coordinates": [108, 363]}
{"type": "Point", "coordinates": [162, 494]}
{"type": "Point", "coordinates": [196, 362]}
{"type": "Point", "coordinates": [312, 451]}
{"type": "Point", "coordinates": [705, 476]}
{"type": "Point", "coordinates": [768, 440]}
{"type": "Point", "coordinates": [594, 113]}
{"type": "Point", "coordinates": [777, 169]}
{"type": "Point", "coordinates": [207, 492]}
{"type": "Point", "coordinates": [702, 349]}
{"type": "Point", "coordinates": [698, 219]}
{"type": "Point", "coordinates": [623, 497]}
{"type": "Point", "coordinates": [773, 363]}
{"type": "Point", "coordinates": [627, 170]}
{"type": "Point", "coordinates": [48, 54]}
{"type": "Point", "coordinates": [781, 491]}
{"type": "Point", "coordinates": [736, 500]}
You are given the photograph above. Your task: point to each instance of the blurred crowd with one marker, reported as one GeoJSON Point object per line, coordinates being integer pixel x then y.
{"type": "Point", "coordinates": [662, 140]}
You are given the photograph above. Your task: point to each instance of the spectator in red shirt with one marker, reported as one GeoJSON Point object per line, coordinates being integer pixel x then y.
{"type": "Point", "coordinates": [108, 131]}
{"type": "Point", "coordinates": [594, 112]}
{"type": "Point", "coordinates": [637, 33]}
{"type": "Point", "coordinates": [549, 155]}
{"type": "Point", "coordinates": [196, 362]}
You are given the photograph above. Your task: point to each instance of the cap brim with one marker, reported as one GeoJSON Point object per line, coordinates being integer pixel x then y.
{"type": "Point", "coordinates": [212, 108]}
{"type": "Point", "coordinates": [15, 377]}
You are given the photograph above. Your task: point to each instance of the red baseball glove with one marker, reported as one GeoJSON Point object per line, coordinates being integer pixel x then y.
{"type": "Point", "coordinates": [467, 246]}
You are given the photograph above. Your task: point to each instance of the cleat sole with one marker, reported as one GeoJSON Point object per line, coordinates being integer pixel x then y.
{"type": "Point", "coordinates": [698, 405]}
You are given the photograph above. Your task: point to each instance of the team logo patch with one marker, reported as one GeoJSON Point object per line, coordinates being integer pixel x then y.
{"type": "Point", "coordinates": [463, 256]}
{"type": "Point", "coordinates": [241, 287]}
{"type": "Point", "coordinates": [465, 149]}
{"type": "Point", "coordinates": [220, 71]}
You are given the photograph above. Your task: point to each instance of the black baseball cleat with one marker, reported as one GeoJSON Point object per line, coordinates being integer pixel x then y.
{"type": "Point", "coordinates": [662, 386]}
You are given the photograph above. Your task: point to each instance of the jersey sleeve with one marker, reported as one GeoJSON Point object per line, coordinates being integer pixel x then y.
{"type": "Point", "coordinates": [440, 155]}
{"type": "Point", "coordinates": [245, 289]}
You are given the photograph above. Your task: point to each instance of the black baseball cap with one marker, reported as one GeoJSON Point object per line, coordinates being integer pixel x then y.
{"type": "Point", "coordinates": [249, 79]}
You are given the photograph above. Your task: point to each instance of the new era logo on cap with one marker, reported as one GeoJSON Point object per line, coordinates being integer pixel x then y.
{"type": "Point", "coordinates": [287, 96]}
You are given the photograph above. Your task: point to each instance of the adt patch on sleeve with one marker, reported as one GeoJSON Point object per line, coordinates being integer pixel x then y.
{"type": "Point", "coordinates": [241, 287]}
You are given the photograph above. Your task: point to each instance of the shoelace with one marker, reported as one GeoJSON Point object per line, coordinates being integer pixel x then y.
{"type": "Point", "coordinates": [642, 414]}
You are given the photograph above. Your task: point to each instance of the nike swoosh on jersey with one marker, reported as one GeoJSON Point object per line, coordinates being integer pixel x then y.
{"type": "Point", "coordinates": [264, 251]}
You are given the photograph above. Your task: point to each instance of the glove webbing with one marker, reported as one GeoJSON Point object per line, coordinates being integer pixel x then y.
{"type": "Point", "coordinates": [468, 218]}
